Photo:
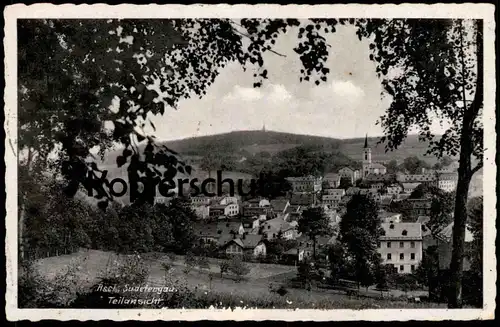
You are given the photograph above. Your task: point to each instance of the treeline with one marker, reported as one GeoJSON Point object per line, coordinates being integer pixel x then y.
{"type": "Point", "coordinates": [56, 224]}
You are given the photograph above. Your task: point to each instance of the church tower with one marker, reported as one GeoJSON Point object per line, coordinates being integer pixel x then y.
{"type": "Point", "coordinates": [367, 157]}
{"type": "Point", "coordinates": [264, 127]}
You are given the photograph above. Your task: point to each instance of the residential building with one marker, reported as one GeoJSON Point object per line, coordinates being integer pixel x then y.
{"type": "Point", "coordinates": [232, 209]}
{"type": "Point", "coordinates": [410, 187]}
{"type": "Point", "coordinates": [229, 200]}
{"type": "Point", "coordinates": [373, 178]}
{"type": "Point", "coordinates": [394, 189]}
{"type": "Point", "coordinates": [401, 246]}
{"type": "Point", "coordinates": [250, 211]}
{"type": "Point", "coordinates": [215, 211]}
{"type": "Point", "coordinates": [370, 167]}
{"type": "Point", "coordinates": [445, 246]}
{"type": "Point", "coordinates": [162, 200]}
{"type": "Point", "coordinates": [200, 200]}
{"type": "Point", "coordinates": [303, 199]}
{"type": "Point", "coordinates": [349, 173]}
{"type": "Point", "coordinates": [389, 217]}
{"type": "Point", "coordinates": [202, 212]}
{"type": "Point", "coordinates": [332, 179]}
{"type": "Point", "coordinates": [377, 186]}
{"type": "Point", "coordinates": [279, 206]}
{"type": "Point", "coordinates": [386, 201]}
{"type": "Point", "coordinates": [352, 191]}
{"type": "Point", "coordinates": [448, 181]}
{"type": "Point", "coordinates": [206, 232]}
{"type": "Point", "coordinates": [420, 207]}
{"type": "Point", "coordinates": [252, 245]}
{"type": "Point", "coordinates": [230, 227]}
{"type": "Point", "coordinates": [305, 246]}
{"type": "Point", "coordinates": [272, 227]}
{"type": "Point", "coordinates": [333, 197]}
{"type": "Point", "coordinates": [305, 184]}
{"type": "Point", "coordinates": [415, 178]}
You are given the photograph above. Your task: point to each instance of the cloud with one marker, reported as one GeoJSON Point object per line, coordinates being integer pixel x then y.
{"type": "Point", "coordinates": [276, 93]}
{"type": "Point", "coordinates": [346, 88]}
{"type": "Point", "coordinates": [244, 93]}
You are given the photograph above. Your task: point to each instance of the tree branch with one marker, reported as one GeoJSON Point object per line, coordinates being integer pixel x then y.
{"type": "Point", "coordinates": [248, 36]}
{"type": "Point", "coordinates": [475, 169]}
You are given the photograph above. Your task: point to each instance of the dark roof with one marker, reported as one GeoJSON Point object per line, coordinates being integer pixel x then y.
{"type": "Point", "coordinates": [302, 199]}
{"type": "Point", "coordinates": [206, 230]}
{"type": "Point", "coordinates": [402, 231]}
{"type": "Point", "coordinates": [227, 226]}
{"type": "Point", "coordinates": [250, 241]}
{"type": "Point", "coordinates": [279, 205]}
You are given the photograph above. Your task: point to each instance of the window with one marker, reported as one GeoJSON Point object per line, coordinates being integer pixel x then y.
{"type": "Point", "coordinates": [401, 244]}
{"type": "Point", "coordinates": [412, 267]}
{"type": "Point", "coordinates": [388, 244]}
{"type": "Point", "coordinates": [401, 256]}
{"type": "Point", "coordinates": [401, 268]}
{"type": "Point", "coordinates": [378, 245]}
{"type": "Point", "coordinates": [233, 248]}
{"type": "Point", "coordinates": [412, 256]}
{"type": "Point", "coordinates": [412, 244]}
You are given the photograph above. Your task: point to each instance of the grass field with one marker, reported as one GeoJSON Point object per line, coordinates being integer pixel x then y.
{"type": "Point", "coordinates": [253, 289]}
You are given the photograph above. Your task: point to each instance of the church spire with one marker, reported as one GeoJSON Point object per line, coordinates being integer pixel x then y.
{"type": "Point", "coordinates": [366, 141]}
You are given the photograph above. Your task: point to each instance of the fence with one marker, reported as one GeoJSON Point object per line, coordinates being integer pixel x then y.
{"type": "Point", "coordinates": [36, 254]}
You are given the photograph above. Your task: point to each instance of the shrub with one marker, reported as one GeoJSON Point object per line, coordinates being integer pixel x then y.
{"type": "Point", "coordinates": [238, 267]}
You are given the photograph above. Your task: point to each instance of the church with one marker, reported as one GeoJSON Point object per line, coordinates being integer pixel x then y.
{"type": "Point", "coordinates": [370, 167]}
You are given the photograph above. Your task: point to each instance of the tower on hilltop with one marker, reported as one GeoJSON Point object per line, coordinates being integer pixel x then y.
{"type": "Point", "coordinates": [264, 127]}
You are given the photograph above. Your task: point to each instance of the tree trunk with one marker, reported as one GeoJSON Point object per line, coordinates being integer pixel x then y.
{"type": "Point", "coordinates": [314, 247]}
{"type": "Point", "coordinates": [464, 177]}
{"type": "Point", "coordinates": [21, 230]}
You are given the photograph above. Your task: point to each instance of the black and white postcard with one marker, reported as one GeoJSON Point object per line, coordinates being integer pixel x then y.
{"type": "Point", "coordinates": [237, 162]}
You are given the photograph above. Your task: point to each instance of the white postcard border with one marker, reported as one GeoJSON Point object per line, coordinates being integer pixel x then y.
{"type": "Point", "coordinates": [472, 11]}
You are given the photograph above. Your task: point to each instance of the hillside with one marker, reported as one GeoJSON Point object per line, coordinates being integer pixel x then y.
{"type": "Point", "coordinates": [245, 143]}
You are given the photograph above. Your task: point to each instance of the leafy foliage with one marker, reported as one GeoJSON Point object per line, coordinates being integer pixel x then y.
{"type": "Point", "coordinates": [313, 223]}
{"type": "Point", "coordinates": [360, 230]}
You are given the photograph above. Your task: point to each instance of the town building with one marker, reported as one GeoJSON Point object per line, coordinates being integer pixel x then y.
{"type": "Point", "coordinates": [420, 207]}
{"type": "Point", "coordinates": [370, 167]}
{"type": "Point", "coordinates": [334, 194]}
{"type": "Point", "coordinates": [229, 200]}
{"type": "Point", "coordinates": [305, 184]}
{"type": "Point", "coordinates": [215, 211]}
{"type": "Point", "coordinates": [200, 200]}
{"type": "Point", "coordinates": [202, 212]}
{"type": "Point", "coordinates": [332, 180]}
{"type": "Point", "coordinates": [229, 210]}
{"type": "Point", "coordinates": [303, 199]}
{"type": "Point", "coordinates": [410, 187]}
{"type": "Point", "coordinates": [351, 174]}
{"type": "Point", "coordinates": [389, 217]}
{"type": "Point", "coordinates": [445, 246]}
{"type": "Point", "coordinates": [394, 189]}
{"type": "Point", "coordinates": [271, 229]}
{"type": "Point", "coordinates": [250, 245]}
{"type": "Point", "coordinates": [279, 206]}
{"type": "Point", "coordinates": [377, 186]}
{"type": "Point", "coordinates": [386, 178]}
{"type": "Point", "coordinates": [416, 178]}
{"type": "Point", "coordinates": [249, 210]}
{"type": "Point", "coordinates": [401, 246]}
{"type": "Point", "coordinates": [447, 181]}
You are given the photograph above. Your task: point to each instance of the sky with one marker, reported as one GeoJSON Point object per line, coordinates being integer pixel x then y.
{"type": "Point", "coordinates": [346, 106]}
